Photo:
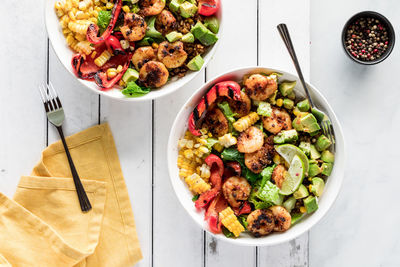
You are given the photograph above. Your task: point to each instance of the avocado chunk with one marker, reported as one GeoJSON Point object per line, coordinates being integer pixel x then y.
{"type": "Point", "coordinates": [130, 75]}
{"type": "Point", "coordinates": [296, 124]}
{"type": "Point", "coordinates": [322, 143]}
{"type": "Point", "coordinates": [286, 136]}
{"type": "Point", "coordinates": [313, 170]}
{"type": "Point", "coordinates": [204, 35]}
{"type": "Point", "coordinates": [311, 204]}
{"type": "Point", "coordinates": [286, 88]}
{"type": "Point", "coordinates": [327, 156]}
{"type": "Point", "coordinates": [302, 192]}
{"type": "Point", "coordinates": [296, 218]}
{"type": "Point", "coordinates": [304, 105]}
{"type": "Point", "coordinates": [309, 123]}
{"type": "Point", "coordinates": [326, 168]}
{"type": "Point", "coordinates": [317, 186]}
{"type": "Point", "coordinates": [175, 4]}
{"type": "Point", "coordinates": [151, 30]}
{"type": "Point", "coordinates": [292, 96]}
{"type": "Point", "coordinates": [288, 103]}
{"type": "Point", "coordinates": [193, 2]}
{"type": "Point", "coordinates": [314, 154]}
{"type": "Point", "coordinates": [289, 203]}
{"type": "Point", "coordinates": [305, 147]}
{"type": "Point", "coordinates": [212, 23]}
{"type": "Point", "coordinates": [173, 36]}
{"type": "Point", "coordinates": [188, 38]}
{"type": "Point", "coordinates": [195, 63]}
{"type": "Point", "coordinates": [187, 9]}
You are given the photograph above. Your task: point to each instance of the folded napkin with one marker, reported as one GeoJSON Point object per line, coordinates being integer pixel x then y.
{"type": "Point", "coordinates": [43, 224]}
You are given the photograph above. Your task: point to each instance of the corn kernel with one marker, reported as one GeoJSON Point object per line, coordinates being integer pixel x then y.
{"type": "Point", "coordinates": [93, 54]}
{"type": "Point", "coordinates": [189, 144]}
{"type": "Point", "coordinates": [155, 45]}
{"type": "Point", "coordinates": [126, 9]}
{"type": "Point", "coordinates": [276, 159]}
{"type": "Point", "coordinates": [188, 153]}
{"type": "Point", "coordinates": [296, 111]}
{"type": "Point", "coordinates": [203, 149]}
{"type": "Point", "coordinates": [218, 147]}
{"type": "Point", "coordinates": [182, 143]}
{"type": "Point", "coordinates": [209, 134]}
{"type": "Point", "coordinates": [111, 73]}
{"type": "Point", "coordinates": [279, 102]}
{"type": "Point", "coordinates": [109, 5]}
{"type": "Point", "coordinates": [303, 209]}
{"type": "Point", "coordinates": [124, 44]}
{"type": "Point", "coordinates": [121, 83]}
{"type": "Point", "coordinates": [119, 68]}
{"type": "Point", "coordinates": [203, 131]}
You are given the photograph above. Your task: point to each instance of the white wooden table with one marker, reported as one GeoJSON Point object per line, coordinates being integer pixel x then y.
{"type": "Point", "coordinates": [368, 202]}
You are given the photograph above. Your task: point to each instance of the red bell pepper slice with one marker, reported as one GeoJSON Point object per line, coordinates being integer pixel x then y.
{"type": "Point", "coordinates": [114, 45]}
{"type": "Point", "coordinates": [93, 29]}
{"type": "Point", "coordinates": [217, 170]}
{"type": "Point", "coordinates": [229, 89]}
{"type": "Point", "coordinates": [245, 208]}
{"type": "Point", "coordinates": [233, 168]}
{"type": "Point", "coordinates": [208, 7]}
{"type": "Point", "coordinates": [212, 214]}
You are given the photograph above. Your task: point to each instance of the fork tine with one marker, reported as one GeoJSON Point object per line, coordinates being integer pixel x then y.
{"type": "Point", "coordinates": [52, 96]}
{"type": "Point", "coordinates": [43, 95]}
{"type": "Point", "coordinates": [323, 128]}
{"type": "Point", "coordinates": [56, 96]}
{"type": "Point", "coordinates": [48, 98]}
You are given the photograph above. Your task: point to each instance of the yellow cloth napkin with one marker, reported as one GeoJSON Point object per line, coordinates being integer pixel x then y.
{"type": "Point", "coordinates": [44, 226]}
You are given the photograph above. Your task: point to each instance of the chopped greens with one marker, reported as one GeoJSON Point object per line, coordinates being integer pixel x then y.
{"type": "Point", "coordinates": [103, 19]}
{"type": "Point", "coordinates": [270, 193]}
{"type": "Point", "coordinates": [134, 90]}
{"type": "Point", "coordinates": [226, 109]}
{"type": "Point", "coordinates": [243, 220]}
{"type": "Point", "coordinates": [211, 142]}
{"type": "Point", "coordinates": [227, 233]}
{"type": "Point", "coordinates": [195, 197]}
{"type": "Point", "coordinates": [264, 109]}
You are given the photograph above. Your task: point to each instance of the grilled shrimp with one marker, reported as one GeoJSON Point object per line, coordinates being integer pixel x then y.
{"type": "Point", "coordinates": [279, 120]}
{"type": "Point", "coordinates": [261, 222]}
{"type": "Point", "coordinates": [250, 140]}
{"type": "Point", "coordinates": [282, 218]}
{"type": "Point", "coordinates": [143, 55]}
{"type": "Point", "coordinates": [278, 175]}
{"type": "Point", "coordinates": [260, 159]}
{"type": "Point", "coordinates": [153, 74]}
{"type": "Point", "coordinates": [236, 190]}
{"type": "Point", "coordinates": [216, 122]}
{"type": "Point", "coordinates": [151, 7]}
{"type": "Point", "coordinates": [134, 27]}
{"type": "Point", "coordinates": [260, 87]}
{"type": "Point", "coordinates": [241, 107]}
{"type": "Point", "coordinates": [171, 54]}
{"type": "Point", "coordinates": [166, 22]}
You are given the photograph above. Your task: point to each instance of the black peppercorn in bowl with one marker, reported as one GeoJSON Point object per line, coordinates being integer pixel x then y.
{"type": "Point", "coordinates": [368, 38]}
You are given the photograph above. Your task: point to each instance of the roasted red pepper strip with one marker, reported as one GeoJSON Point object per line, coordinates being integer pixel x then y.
{"type": "Point", "coordinates": [101, 76]}
{"type": "Point", "coordinates": [208, 7]}
{"type": "Point", "coordinates": [217, 170]}
{"type": "Point", "coordinates": [229, 89]}
{"type": "Point", "coordinates": [212, 214]}
{"type": "Point", "coordinates": [113, 43]}
{"type": "Point", "coordinates": [245, 208]}
{"type": "Point", "coordinates": [93, 29]}
{"type": "Point", "coordinates": [232, 169]}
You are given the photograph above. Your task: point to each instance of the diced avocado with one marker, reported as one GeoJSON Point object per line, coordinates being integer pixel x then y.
{"type": "Point", "coordinates": [195, 63]}
{"type": "Point", "coordinates": [199, 30]}
{"type": "Point", "coordinates": [187, 9]}
{"type": "Point", "coordinates": [212, 23]}
{"type": "Point", "coordinates": [314, 154]}
{"type": "Point", "coordinates": [303, 105]}
{"type": "Point", "coordinates": [306, 147]}
{"type": "Point", "coordinates": [286, 88]}
{"type": "Point", "coordinates": [130, 75]}
{"type": "Point", "coordinates": [309, 123]}
{"type": "Point", "coordinates": [297, 124]}
{"type": "Point", "coordinates": [317, 186]}
{"type": "Point", "coordinates": [326, 168]}
{"type": "Point", "coordinates": [204, 35]}
{"type": "Point", "coordinates": [289, 203]}
{"type": "Point", "coordinates": [327, 156]}
{"type": "Point", "coordinates": [151, 29]}
{"type": "Point", "coordinates": [311, 204]}
{"type": "Point", "coordinates": [302, 192]}
{"type": "Point", "coordinates": [286, 136]}
{"type": "Point", "coordinates": [175, 4]}
{"type": "Point", "coordinates": [188, 38]}
{"type": "Point", "coordinates": [193, 2]}
{"type": "Point", "coordinates": [288, 103]}
{"type": "Point", "coordinates": [296, 218]}
{"type": "Point", "coordinates": [322, 143]}
{"type": "Point", "coordinates": [313, 170]}
{"type": "Point", "coordinates": [272, 98]}
{"type": "Point", "coordinates": [173, 36]}
{"type": "Point", "coordinates": [208, 39]}
{"type": "Point", "coordinates": [292, 95]}
{"type": "Point", "coordinates": [314, 133]}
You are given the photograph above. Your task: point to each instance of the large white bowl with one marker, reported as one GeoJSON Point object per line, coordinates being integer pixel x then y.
{"type": "Point", "coordinates": [64, 54]}
{"type": "Point", "coordinates": [332, 186]}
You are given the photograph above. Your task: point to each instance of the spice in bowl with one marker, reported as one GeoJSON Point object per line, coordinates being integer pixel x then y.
{"type": "Point", "coordinates": [367, 39]}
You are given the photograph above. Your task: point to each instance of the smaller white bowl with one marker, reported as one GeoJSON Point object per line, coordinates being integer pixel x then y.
{"type": "Point", "coordinates": [64, 54]}
{"type": "Point", "coordinates": [325, 201]}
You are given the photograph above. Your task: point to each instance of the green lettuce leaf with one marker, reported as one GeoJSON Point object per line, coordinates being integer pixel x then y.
{"type": "Point", "coordinates": [103, 19]}
{"type": "Point", "coordinates": [226, 109]}
{"type": "Point", "coordinates": [264, 109]}
{"type": "Point", "coordinates": [266, 175]}
{"type": "Point", "coordinates": [270, 193]}
{"type": "Point", "coordinates": [134, 90]}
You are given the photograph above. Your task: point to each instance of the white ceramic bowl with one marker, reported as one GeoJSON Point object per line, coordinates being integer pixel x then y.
{"type": "Point", "coordinates": [64, 53]}
{"type": "Point", "coordinates": [332, 186]}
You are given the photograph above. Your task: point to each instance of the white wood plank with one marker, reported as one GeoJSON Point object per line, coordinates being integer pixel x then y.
{"type": "Point", "coordinates": [178, 241]}
{"type": "Point", "coordinates": [23, 68]}
{"type": "Point", "coordinates": [132, 130]}
{"type": "Point", "coordinates": [273, 53]}
{"type": "Point", "coordinates": [238, 48]}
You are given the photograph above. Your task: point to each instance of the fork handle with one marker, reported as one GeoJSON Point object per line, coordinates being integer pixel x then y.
{"type": "Point", "coordinates": [284, 32]}
{"type": "Point", "coordinates": [83, 199]}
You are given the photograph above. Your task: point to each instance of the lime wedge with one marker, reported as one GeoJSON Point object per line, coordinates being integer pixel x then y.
{"type": "Point", "coordinates": [294, 178]}
{"type": "Point", "coordinates": [288, 152]}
